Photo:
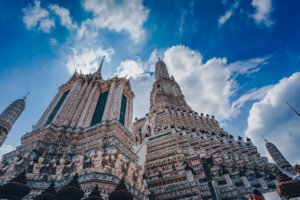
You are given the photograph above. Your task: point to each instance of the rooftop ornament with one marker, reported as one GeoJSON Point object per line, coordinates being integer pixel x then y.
{"type": "Point", "coordinates": [15, 189]}
{"type": "Point", "coordinates": [72, 191]}
{"type": "Point", "coordinates": [121, 192]}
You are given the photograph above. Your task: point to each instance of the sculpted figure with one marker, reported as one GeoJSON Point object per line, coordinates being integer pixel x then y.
{"type": "Point", "coordinates": [52, 168]}
{"type": "Point", "coordinates": [113, 159]}
{"type": "Point", "coordinates": [37, 166]}
{"type": "Point", "coordinates": [3, 168]}
{"type": "Point", "coordinates": [97, 161]}
{"type": "Point", "coordinates": [107, 163]}
{"type": "Point", "coordinates": [78, 163]}
{"type": "Point", "coordinates": [60, 167]}
{"type": "Point", "coordinates": [87, 164]}
{"type": "Point", "coordinates": [130, 173]}
{"type": "Point", "coordinates": [11, 171]}
{"type": "Point", "coordinates": [139, 181]}
{"type": "Point", "coordinates": [117, 171]}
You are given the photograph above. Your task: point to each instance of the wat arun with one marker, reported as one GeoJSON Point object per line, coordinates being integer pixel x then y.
{"type": "Point", "coordinates": [86, 141]}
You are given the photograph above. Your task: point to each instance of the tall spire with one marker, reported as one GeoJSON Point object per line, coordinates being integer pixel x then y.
{"type": "Point", "coordinates": [293, 109]}
{"type": "Point", "coordinates": [277, 156]}
{"type": "Point", "coordinates": [166, 91]}
{"type": "Point", "coordinates": [99, 70]}
{"type": "Point", "coordinates": [25, 96]}
{"type": "Point", "coordinates": [9, 116]}
{"type": "Point", "coordinates": [161, 71]}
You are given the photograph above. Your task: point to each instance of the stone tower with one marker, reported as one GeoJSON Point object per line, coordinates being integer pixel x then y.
{"type": "Point", "coordinates": [189, 156]}
{"type": "Point", "coordinates": [86, 130]}
{"type": "Point", "coordinates": [9, 116]}
{"type": "Point", "coordinates": [277, 156]}
{"type": "Point", "coordinates": [166, 91]}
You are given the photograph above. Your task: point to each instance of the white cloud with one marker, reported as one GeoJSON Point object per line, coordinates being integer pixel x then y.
{"type": "Point", "coordinates": [53, 42]}
{"type": "Point", "coordinates": [256, 94]}
{"type": "Point", "coordinates": [225, 17]}
{"type": "Point", "coordinates": [141, 86]}
{"type": "Point", "coordinates": [125, 15]}
{"type": "Point", "coordinates": [64, 14]}
{"type": "Point", "coordinates": [46, 25]}
{"type": "Point", "coordinates": [263, 8]}
{"type": "Point", "coordinates": [229, 13]}
{"type": "Point", "coordinates": [130, 68]}
{"type": "Point", "coordinates": [86, 60]}
{"type": "Point", "coordinates": [248, 66]}
{"type": "Point", "coordinates": [87, 31]}
{"type": "Point", "coordinates": [36, 16]}
{"type": "Point", "coordinates": [273, 119]}
{"type": "Point", "coordinates": [5, 148]}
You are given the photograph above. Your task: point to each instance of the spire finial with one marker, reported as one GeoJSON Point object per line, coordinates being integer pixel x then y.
{"type": "Point", "coordinates": [99, 70]}
{"type": "Point", "coordinates": [293, 109]}
{"type": "Point", "coordinates": [25, 96]}
{"type": "Point", "coordinates": [264, 138]}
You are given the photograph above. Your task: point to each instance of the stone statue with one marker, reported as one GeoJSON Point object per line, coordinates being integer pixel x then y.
{"type": "Point", "coordinates": [78, 163]}
{"type": "Point", "coordinates": [52, 169]}
{"type": "Point", "coordinates": [37, 166]}
{"type": "Point", "coordinates": [60, 167]}
{"type": "Point", "coordinates": [87, 164]}
{"type": "Point", "coordinates": [97, 161]}
{"type": "Point", "coordinates": [117, 170]}
{"type": "Point", "coordinates": [130, 173]}
{"type": "Point", "coordinates": [139, 181]}
{"type": "Point", "coordinates": [3, 168]}
{"type": "Point", "coordinates": [11, 171]}
{"type": "Point", "coordinates": [107, 163]}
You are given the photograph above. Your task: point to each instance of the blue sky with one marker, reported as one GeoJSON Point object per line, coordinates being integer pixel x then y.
{"type": "Point", "coordinates": [237, 60]}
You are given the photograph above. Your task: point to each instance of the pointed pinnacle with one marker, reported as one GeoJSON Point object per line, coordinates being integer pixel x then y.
{"type": "Point", "coordinates": [293, 109]}
{"type": "Point", "coordinates": [24, 97]}
{"type": "Point", "coordinates": [99, 70]}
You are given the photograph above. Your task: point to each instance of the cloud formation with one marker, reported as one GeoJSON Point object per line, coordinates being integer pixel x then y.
{"type": "Point", "coordinates": [5, 148]}
{"type": "Point", "coordinates": [229, 13]}
{"type": "Point", "coordinates": [263, 8]}
{"type": "Point", "coordinates": [36, 16]}
{"type": "Point", "coordinates": [87, 60]}
{"type": "Point", "coordinates": [114, 15]}
{"type": "Point", "coordinates": [64, 15]}
{"type": "Point", "coordinates": [254, 95]}
{"type": "Point", "coordinates": [130, 68]}
{"type": "Point", "coordinates": [273, 119]}
{"type": "Point", "coordinates": [225, 17]}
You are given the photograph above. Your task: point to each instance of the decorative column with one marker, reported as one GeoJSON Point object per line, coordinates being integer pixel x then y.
{"type": "Point", "coordinates": [110, 98]}
{"type": "Point", "coordinates": [87, 106]}
{"type": "Point", "coordinates": [75, 104]}
{"type": "Point", "coordinates": [93, 104]}
{"type": "Point", "coordinates": [81, 106]}
{"type": "Point", "coordinates": [114, 106]}
{"type": "Point", "coordinates": [61, 114]}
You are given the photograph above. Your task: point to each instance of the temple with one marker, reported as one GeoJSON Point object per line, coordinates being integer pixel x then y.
{"type": "Point", "coordinates": [85, 146]}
